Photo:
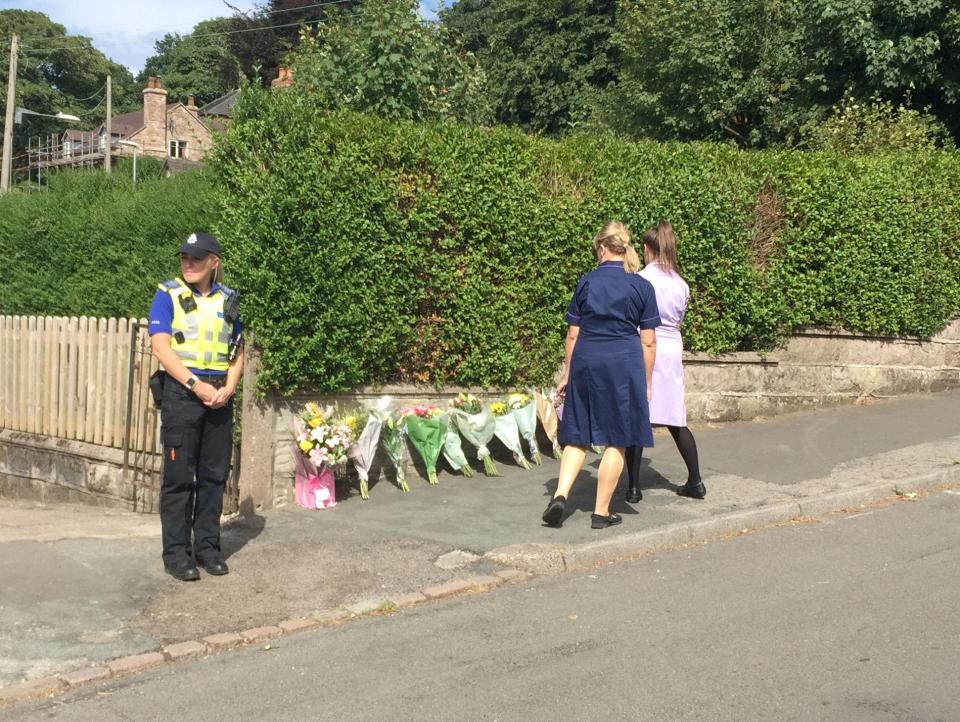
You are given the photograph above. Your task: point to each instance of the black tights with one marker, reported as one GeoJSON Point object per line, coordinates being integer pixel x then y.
{"type": "Point", "coordinates": [687, 447]}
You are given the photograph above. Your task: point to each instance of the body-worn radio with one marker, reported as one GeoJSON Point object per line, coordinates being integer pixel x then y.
{"type": "Point", "coordinates": [188, 303]}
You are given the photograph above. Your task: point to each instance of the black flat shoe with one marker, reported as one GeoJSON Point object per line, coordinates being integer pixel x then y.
{"type": "Point", "coordinates": [598, 521]}
{"type": "Point", "coordinates": [553, 516]}
{"type": "Point", "coordinates": [694, 491]}
{"type": "Point", "coordinates": [634, 495]}
{"type": "Point", "coordinates": [216, 567]}
{"type": "Point", "coordinates": [184, 571]}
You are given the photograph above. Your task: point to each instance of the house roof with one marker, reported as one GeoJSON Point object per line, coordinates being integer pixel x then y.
{"type": "Point", "coordinates": [127, 124]}
{"type": "Point", "coordinates": [75, 134]}
{"type": "Point", "coordinates": [222, 106]}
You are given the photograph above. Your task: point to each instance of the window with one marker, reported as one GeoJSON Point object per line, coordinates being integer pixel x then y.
{"type": "Point", "coordinates": [178, 149]}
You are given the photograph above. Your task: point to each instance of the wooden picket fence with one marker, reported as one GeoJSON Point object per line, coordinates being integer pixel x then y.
{"type": "Point", "coordinates": [83, 378]}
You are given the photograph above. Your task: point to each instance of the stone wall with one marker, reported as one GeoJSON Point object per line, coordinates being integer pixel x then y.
{"type": "Point", "coordinates": [59, 470]}
{"type": "Point", "coordinates": [814, 369]}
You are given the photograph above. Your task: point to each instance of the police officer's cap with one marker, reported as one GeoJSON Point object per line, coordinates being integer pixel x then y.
{"type": "Point", "coordinates": [200, 245]}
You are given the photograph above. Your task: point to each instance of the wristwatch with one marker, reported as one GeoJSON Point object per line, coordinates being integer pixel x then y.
{"type": "Point", "coordinates": [191, 382]}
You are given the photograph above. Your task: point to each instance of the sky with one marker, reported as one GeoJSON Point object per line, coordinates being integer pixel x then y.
{"type": "Point", "coordinates": [126, 31]}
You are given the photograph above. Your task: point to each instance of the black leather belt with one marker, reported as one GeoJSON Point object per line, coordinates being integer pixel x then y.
{"type": "Point", "coordinates": [218, 381]}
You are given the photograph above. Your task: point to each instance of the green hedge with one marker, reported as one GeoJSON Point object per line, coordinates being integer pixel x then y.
{"type": "Point", "coordinates": [372, 252]}
{"type": "Point", "coordinates": [95, 245]}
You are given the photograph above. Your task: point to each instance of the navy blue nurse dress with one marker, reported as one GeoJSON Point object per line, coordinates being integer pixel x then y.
{"type": "Point", "coordinates": [606, 397]}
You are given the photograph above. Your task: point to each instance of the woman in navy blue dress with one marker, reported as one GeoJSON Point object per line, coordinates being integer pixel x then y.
{"type": "Point", "coordinates": [610, 350]}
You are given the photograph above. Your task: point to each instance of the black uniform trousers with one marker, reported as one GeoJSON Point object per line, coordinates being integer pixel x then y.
{"type": "Point", "coordinates": [197, 441]}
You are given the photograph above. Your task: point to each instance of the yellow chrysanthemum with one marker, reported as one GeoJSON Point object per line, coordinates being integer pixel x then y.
{"type": "Point", "coordinates": [305, 446]}
{"type": "Point", "coordinates": [315, 422]}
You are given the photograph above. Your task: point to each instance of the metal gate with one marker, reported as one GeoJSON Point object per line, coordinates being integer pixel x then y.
{"type": "Point", "coordinates": [143, 456]}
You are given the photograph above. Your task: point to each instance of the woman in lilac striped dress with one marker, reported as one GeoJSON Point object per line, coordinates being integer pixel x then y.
{"type": "Point", "coordinates": [667, 406]}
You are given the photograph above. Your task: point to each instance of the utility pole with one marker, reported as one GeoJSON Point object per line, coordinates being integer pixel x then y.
{"type": "Point", "coordinates": [109, 127]}
{"type": "Point", "coordinates": [7, 162]}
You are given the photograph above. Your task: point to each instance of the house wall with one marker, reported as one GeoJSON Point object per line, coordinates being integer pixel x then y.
{"type": "Point", "coordinates": [185, 126]}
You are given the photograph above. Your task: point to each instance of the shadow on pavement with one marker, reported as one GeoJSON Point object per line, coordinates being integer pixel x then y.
{"type": "Point", "coordinates": [238, 532]}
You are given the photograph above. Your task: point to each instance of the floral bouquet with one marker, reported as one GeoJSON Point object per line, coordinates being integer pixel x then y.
{"type": "Point", "coordinates": [366, 425]}
{"type": "Point", "coordinates": [453, 450]}
{"type": "Point", "coordinates": [549, 410]}
{"type": "Point", "coordinates": [477, 426]}
{"type": "Point", "coordinates": [323, 439]}
{"type": "Point", "coordinates": [505, 429]}
{"type": "Point", "coordinates": [323, 443]}
{"type": "Point", "coordinates": [524, 412]}
{"type": "Point", "coordinates": [426, 428]}
{"type": "Point", "coordinates": [393, 435]}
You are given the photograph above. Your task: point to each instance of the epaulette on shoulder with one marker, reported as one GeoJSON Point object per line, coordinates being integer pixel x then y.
{"type": "Point", "coordinates": [171, 285]}
{"type": "Point", "coordinates": [227, 291]}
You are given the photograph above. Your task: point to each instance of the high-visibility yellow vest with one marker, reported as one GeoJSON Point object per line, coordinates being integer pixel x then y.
{"type": "Point", "coordinates": [200, 332]}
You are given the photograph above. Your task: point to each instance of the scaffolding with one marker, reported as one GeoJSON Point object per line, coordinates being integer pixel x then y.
{"type": "Point", "coordinates": [48, 153]}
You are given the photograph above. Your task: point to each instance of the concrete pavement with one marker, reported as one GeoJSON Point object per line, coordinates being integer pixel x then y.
{"type": "Point", "coordinates": [83, 585]}
{"type": "Point", "coordinates": [849, 618]}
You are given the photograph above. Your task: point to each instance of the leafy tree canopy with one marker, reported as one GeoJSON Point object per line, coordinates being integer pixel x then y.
{"type": "Point", "coordinates": [58, 72]}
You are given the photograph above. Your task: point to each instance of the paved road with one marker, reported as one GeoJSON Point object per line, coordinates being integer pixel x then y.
{"type": "Point", "coordinates": [850, 618]}
{"type": "Point", "coordinates": [83, 585]}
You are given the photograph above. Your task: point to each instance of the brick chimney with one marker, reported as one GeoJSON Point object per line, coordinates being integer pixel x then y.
{"type": "Point", "coordinates": [284, 79]}
{"type": "Point", "coordinates": [191, 104]}
{"type": "Point", "coordinates": [155, 118]}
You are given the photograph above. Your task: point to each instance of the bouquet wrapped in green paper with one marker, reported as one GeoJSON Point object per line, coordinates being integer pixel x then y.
{"type": "Point", "coordinates": [426, 427]}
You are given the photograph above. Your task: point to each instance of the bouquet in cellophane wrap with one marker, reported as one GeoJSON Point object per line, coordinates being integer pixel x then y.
{"type": "Point", "coordinates": [549, 410]}
{"type": "Point", "coordinates": [322, 444]}
{"type": "Point", "coordinates": [505, 429]}
{"type": "Point", "coordinates": [393, 440]}
{"type": "Point", "coordinates": [453, 450]}
{"type": "Point", "coordinates": [524, 411]}
{"type": "Point", "coordinates": [426, 427]}
{"type": "Point", "coordinates": [366, 424]}
{"type": "Point", "coordinates": [477, 426]}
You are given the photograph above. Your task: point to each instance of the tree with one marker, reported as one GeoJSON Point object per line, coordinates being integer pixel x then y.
{"type": "Point", "coordinates": [545, 60]}
{"type": "Point", "coordinates": [903, 51]}
{"type": "Point", "coordinates": [273, 31]}
{"type": "Point", "coordinates": [386, 60]}
{"type": "Point", "coordinates": [59, 73]}
{"type": "Point", "coordinates": [764, 72]}
{"type": "Point", "coordinates": [708, 69]}
{"type": "Point", "coordinates": [199, 64]}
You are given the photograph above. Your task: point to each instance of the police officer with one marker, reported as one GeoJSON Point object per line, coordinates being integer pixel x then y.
{"type": "Point", "coordinates": [196, 335]}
